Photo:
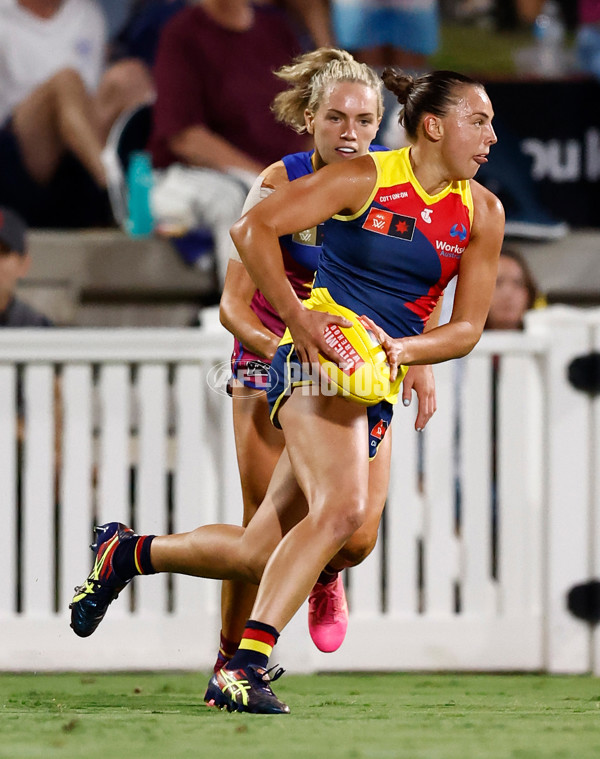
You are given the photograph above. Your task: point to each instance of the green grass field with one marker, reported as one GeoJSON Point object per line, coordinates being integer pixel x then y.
{"type": "Point", "coordinates": [349, 716]}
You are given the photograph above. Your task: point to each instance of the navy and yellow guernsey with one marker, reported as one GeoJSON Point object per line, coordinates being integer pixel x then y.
{"type": "Point", "coordinates": [392, 259]}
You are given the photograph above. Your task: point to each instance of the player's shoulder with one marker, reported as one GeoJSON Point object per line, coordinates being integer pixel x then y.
{"type": "Point", "coordinates": [484, 201]}
{"type": "Point", "coordinates": [488, 211]}
{"type": "Point", "coordinates": [275, 175]}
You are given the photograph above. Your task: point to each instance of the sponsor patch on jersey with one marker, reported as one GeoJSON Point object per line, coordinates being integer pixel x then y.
{"type": "Point", "coordinates": [312, 236]}
{"type": "Point", "coordinates": [388, 223]}
{"type": "Point", "coordinates": [460, 231]}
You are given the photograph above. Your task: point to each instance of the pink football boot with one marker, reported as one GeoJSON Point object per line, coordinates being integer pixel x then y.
{"type": "Point", "coordinates": [328, 615]}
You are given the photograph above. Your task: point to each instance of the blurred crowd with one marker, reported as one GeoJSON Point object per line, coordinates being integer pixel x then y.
{"type": "Point", "coordinates": [72, 72]}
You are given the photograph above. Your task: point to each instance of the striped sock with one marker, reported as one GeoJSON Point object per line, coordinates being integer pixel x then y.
{"type": "Point", "coordinates": [132, 557]}
{"type": "Point", "coordinates": [227, 649]}
{"type": "Point", "coordinates": [255, 647]}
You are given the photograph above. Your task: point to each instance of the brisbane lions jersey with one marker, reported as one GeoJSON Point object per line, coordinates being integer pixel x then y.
{"type": "Point", "coordinates": [300, 251]}
{"type": "Point", "coordinates": [393, 259]}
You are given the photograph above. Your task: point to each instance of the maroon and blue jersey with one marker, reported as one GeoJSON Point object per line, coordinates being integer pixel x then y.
{"type": "Point", "coordinates": [301, 252]}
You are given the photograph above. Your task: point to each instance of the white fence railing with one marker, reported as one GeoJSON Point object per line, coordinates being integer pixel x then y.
{"type": "Point", "coordinates": [491, 518]}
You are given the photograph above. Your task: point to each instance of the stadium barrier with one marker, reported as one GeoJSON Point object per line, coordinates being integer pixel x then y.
{"type": "Point", "coordinates": [492, 515]}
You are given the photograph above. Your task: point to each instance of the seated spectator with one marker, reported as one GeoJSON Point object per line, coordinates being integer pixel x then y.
{"type": "Point", "coordinates": [135, 25]}
{"type": "Point", "coordinates": [57, 104]}
{"type": "Point", "coordinates": [138, 37]}
{"type": "Point", "coordinates": [515, 292]}
{"type": "Point", "coordinates": [392, 33]}
{"type": "Point", "coordinates": [213, 128]}
{"type": "Point", "coordinates": [15, 262]}
{"type": "Point", "coordinates": [14, 265]}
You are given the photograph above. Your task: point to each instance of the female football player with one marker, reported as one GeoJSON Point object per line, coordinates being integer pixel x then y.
{"type": "Point", "coordinates": [398, 226]}
{"type": "Point", "coordinates": [338, 101]}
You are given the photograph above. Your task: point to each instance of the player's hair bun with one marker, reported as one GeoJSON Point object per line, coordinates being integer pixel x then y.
{"type": "Point", "coordinates": [364, 374]}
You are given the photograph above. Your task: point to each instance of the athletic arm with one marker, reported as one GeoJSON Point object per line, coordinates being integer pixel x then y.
{"type": "Point", "coordinates": [475, 286]}
{"type": "Point", "coordinates": [421, 379]}
{"type": "Point", "coordinates": [237, 316]}
{"type": "Point", "coordinates": [234, 311]}
{"type": "Point", "coordinates": [302, 204]}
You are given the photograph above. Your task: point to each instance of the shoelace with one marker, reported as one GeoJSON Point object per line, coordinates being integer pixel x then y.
{"type": "Point", "coordinates": [327, 603]}
{"type": "Point", "coordinates": [266, 677]}
{"type": "Point", "coordinates": [91, 586]}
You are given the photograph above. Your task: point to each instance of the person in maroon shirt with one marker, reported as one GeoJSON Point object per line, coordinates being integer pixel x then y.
{"type": "Point", "coordinates": [213, 129]}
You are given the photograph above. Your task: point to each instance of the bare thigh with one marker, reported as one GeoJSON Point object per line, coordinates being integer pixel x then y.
{"type": "Point", "coordinates": [258, 446]}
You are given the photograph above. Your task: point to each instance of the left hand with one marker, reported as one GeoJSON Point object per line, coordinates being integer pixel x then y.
{"type": "Point", "coordinates": [420, 379]}
{"type": "Point", "coordinates": [391, 346]}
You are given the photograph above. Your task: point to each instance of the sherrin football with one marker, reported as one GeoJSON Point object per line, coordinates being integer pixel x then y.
{"type": "Point", "coordinates": [364, 373]}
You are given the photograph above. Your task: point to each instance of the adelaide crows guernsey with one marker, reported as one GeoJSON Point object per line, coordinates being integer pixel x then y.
{"type": "Point", "coordinates": [393, 259]}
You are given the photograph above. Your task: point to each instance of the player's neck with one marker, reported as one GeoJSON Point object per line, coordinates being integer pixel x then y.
{"type": "Point", "coordinates": [430, 175]}
{"type": "Point", "coordinates": [237, 15]}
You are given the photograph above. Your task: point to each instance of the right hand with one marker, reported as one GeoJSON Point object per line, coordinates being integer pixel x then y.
{"type": "Point", "coordinates": [392, 346]}
{"type": "Point", "coordinates": [308, 333]}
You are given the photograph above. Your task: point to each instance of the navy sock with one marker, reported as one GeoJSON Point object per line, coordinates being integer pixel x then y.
{"type": "Point", "coordinates": [132, 557]}
{"type": "Point", "coordinates": [255, 647]}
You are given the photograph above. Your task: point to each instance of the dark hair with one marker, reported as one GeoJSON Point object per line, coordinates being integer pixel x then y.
{"type": "Point", "coordinates": [431, 93]}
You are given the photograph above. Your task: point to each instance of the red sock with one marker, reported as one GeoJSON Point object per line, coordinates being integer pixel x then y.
{"type": "Point", "coordinates": [227, 649]}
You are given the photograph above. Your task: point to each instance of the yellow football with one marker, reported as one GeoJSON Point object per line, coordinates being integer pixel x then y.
{"type": "Point", "coordinates": [363, 374]}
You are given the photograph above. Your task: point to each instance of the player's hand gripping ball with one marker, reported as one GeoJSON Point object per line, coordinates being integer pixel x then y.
{"type": "Point", "coordinates": [363, 374]}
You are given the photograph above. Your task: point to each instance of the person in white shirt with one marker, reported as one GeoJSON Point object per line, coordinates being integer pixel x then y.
{"type": "Point", "coordinates": [57, 96]}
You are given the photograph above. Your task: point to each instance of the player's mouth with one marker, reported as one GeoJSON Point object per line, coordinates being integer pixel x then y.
{"type": "Point", "coordinates": [345, 150]}
{"type": "Point", "coordinates": [481, 158]}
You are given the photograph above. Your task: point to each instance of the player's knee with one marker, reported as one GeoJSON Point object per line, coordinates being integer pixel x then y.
{"type": "Point", "coordinates": [254, 559]}
{"type": "Point", "coordinates": [342, 518]}
{"type": "Point", "coordinates": [357, 548]}
{"type": "Point", "coordinates": [255, 564]}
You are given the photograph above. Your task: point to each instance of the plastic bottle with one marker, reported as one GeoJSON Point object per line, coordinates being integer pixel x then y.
{"type": "Point", "coordinates": [549, 31]}
{"type": "Point", "coordinates": [140, 222]}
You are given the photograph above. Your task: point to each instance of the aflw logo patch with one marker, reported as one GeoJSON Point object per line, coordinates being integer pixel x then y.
{"type": "Point", "coordinates": [312, 236]}
{"type": "Point", "coordinates": [388, 223]}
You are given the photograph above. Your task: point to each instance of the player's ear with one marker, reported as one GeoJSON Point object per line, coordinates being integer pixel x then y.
{"type": "Point", "coordinates": [309, 121]}
{"type": "Point", "coordinates": [433, 127]}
